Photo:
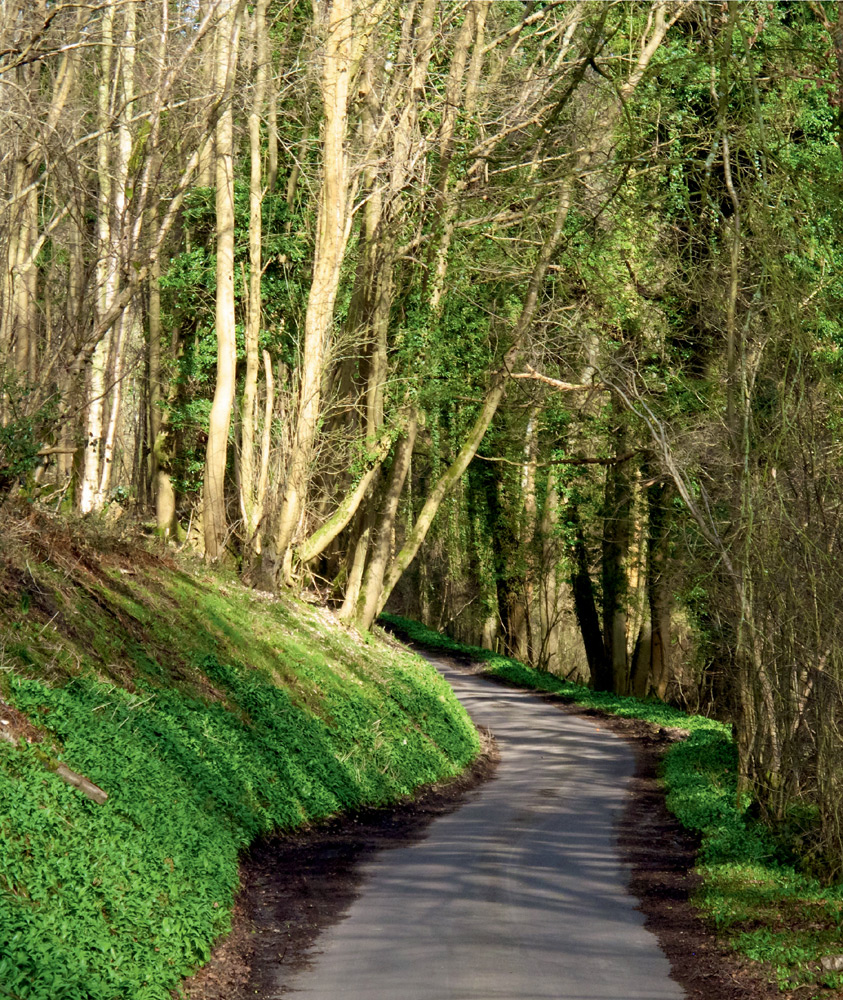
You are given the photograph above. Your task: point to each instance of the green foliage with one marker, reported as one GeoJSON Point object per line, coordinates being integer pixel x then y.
{"type": "Point", "coordinates": [23, 431]}
{"type": "Point", "coordinates": [769, 911]}
{"type": "Point", "coordinates": [235, 716]}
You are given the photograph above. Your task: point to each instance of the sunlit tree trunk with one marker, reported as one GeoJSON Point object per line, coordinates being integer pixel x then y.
{"type": "Point", "coordinates": [209, 65]}
{"type": "Point", "coordinates": [125, 330]}
{"type": "Point", "coordinates": [251, 502]}
{"type": "Point", "coordinates": [214, 521]}
{"type": "Point", "coordinates": [368, 603]}
{"type": "Point", "coordinates": [331, 238]}
{"type": "Point", "coordinates": [162, 486]}
{"type": "Point", "coordinates": [90, 498]}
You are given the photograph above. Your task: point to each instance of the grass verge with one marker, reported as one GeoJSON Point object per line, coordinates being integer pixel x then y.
{"type": "Point", "coordinates": [210, 715]}
{"type": "Point", "coordinates": [763, 907]}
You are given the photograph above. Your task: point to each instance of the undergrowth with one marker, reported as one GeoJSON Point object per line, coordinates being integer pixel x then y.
{"type": "Point", "coordinates": [210, 715]}
{"type": "Point", "coordinates": [763, 906]}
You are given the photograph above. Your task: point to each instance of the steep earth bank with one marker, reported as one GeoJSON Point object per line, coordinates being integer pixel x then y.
{"type": "Point", "coordinates": [190, 716]}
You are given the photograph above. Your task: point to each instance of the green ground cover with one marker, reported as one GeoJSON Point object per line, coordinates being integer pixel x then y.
{"type": "Point", "coordinates": [210, 715]}
{"type": "Point", "coordinates": [752, 893]}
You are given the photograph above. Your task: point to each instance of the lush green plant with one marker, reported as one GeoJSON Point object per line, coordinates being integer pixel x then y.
{"type": "Point", "coordinates": [23, 430]}
{"type": "Point", "coordinates": [224, 717]}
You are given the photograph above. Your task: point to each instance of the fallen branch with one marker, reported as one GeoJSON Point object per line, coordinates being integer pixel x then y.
{"type": "Point", "coordinates": [87, 788]}
{"type": "Point", "coordinates": [16, 727]}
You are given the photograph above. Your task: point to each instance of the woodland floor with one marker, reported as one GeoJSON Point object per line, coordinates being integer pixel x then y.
{"type": "Point", "coordinates": [296, 884]}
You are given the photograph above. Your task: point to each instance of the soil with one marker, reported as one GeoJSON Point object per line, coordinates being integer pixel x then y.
{"type": "Point", "coordinates": [296, 884]}
{"type": "Point", "coordinates": [661, 855]}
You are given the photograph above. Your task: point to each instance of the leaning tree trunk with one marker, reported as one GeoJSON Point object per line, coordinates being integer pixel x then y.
{"type": "Point", "coordinates": [490, 404]}
{"type": "Point", "coordinates": [369, 601]}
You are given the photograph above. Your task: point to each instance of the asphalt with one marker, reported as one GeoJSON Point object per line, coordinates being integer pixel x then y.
{"type": "Point", "coordinates": [518, 895]}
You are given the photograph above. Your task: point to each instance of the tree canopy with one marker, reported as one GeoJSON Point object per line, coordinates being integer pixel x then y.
{"type": "Point", "coordinates": [523, 316]}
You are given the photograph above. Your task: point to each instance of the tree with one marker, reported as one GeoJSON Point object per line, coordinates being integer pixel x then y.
{"type": "Point", "coordinates": [213, 507]}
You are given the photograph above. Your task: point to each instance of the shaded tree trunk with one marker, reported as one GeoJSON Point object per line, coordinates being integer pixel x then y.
{"type": "Point", "coordinates": [585, 608]}
{"type": "Point", "coordinates": [616, 536]}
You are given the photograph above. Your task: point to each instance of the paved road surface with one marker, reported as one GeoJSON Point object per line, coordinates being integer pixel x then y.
{"type": "Point", "coordinates": [518, 895]}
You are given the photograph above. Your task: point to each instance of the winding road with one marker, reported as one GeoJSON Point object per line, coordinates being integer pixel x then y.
{"type": "Point", "coordinates": [518, 895]}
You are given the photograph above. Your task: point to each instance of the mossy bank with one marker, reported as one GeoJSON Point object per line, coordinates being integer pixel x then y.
{"type": "Point", "coordinates": [208, 714]}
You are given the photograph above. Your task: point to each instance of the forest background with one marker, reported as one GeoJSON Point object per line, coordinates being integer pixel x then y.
{"type": "Point", "coordinates": [523, 316]}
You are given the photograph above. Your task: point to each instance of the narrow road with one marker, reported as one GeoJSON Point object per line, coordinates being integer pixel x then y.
{"type": "Point", "coordinates": [518, 895]}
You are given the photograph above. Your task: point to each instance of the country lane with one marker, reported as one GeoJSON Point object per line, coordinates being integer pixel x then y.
{"type": "Point", "coordinates": [518, 895]}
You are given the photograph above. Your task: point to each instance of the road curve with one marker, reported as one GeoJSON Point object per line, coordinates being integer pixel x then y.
{"type": "Point", "coordinates": [518, 895]}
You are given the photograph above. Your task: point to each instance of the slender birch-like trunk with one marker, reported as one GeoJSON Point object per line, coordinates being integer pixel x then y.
{"type": "Point", "coordinates": [126, 328]}
{"type": "Point", "coordinates": [162, 486]}
{"type": "Point", "coordinates": [209, 66]}
{"type": "Point", "coordinates": [214, 521]}
{"type": "Point", "coordinates": [251, 503]}
{"type": "Point", "coordinates": [106, 275]}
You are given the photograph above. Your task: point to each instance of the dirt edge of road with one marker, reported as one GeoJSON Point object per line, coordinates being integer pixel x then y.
{"type": "Point", "coordinates": [661, 854]}
{"type": "Point", "coordinates": [296, 884]}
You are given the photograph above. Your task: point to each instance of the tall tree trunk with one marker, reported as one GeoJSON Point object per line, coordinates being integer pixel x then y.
{"type": "Point", "coordinates": [585, 609]}
{"type": "Point", "coordinates": [125, 329]}
{"type": "Point", "coordinates": [162, 485]}
{"type": "Point", "coordinates": [89, 497]}
{"type": "Point", "coordinates": [249, 504]}
{"type": "Point", "coordinates": [616, 535]}
{"type": "Point", "coordinates": [25, 282]}
{"type": "Point", "coordinates": [530, 641]}
{"type": "Point", "coordinates": [209, 64]}
{"type": "Point", "coordinates": [215, 526]}
{"type": "Point", "coordinates": [331, 237]}
{"type": "Point", "coordinates": [659, 597]}
{"type": "Point", "coordinates": [550, 598]}
{"type": "Point", "coordinates": [272, 131]}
